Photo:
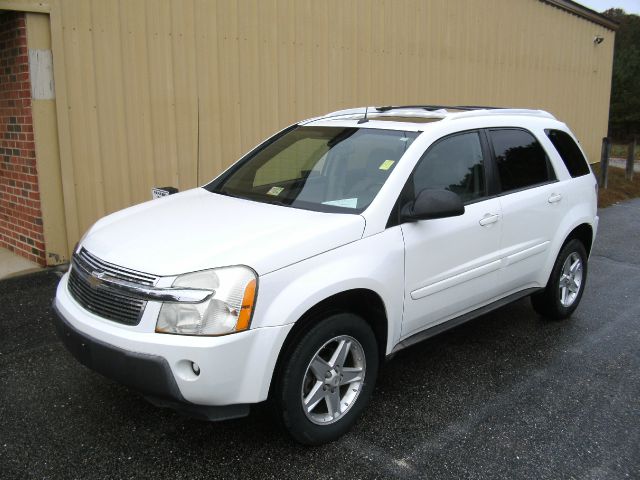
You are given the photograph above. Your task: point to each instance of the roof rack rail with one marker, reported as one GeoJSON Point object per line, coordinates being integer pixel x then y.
{"type": "Point", "coordinates": [434, 107]}
{"type": "Point", "coordinates": [388, 108]}
{"type": "Point", "coordinates": [432, 111]}
{"type": "Point", "coordinates": [337, 113]}
{"type": "Point", "coordinates": [500, 111]}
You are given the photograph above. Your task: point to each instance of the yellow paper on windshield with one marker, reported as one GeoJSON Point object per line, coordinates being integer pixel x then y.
{"type": "Point", "coordinates": [386, 165]}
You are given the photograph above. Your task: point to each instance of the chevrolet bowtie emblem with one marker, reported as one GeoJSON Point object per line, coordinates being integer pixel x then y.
{"type": "Point", "coordinates": [95, 279]}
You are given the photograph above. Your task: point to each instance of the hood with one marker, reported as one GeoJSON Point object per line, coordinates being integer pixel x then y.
{"type": "Point", "coordinates": [195, 230]}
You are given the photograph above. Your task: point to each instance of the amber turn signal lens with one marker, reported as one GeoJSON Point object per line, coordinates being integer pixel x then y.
{"type": "Point", "coordinates": [244, 319]}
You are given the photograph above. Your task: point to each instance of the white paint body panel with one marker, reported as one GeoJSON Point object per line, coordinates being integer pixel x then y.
{"type": "Point", "coordinates": [424, 272]}
{"type": "Point", "coordinates": [196, 230]}
{"type": "Point", "coordinates": [529, 225]}
{"type": "Point", "coordinates": [451, 264]}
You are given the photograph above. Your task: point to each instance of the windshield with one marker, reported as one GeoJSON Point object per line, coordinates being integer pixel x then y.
{"type": "Point", "coordinates": [329, 169]}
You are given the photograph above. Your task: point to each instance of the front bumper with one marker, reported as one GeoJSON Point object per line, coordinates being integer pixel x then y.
{"type": "Point", "coordinates": [235, 370]}
{"type": "Point", "coordinates": [148, 374]}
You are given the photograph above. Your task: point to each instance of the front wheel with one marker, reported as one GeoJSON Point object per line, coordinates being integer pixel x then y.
{"type": "Point", "coordinates": [327, 381]}
{"type": "Point", "coordinates": [566, 284]}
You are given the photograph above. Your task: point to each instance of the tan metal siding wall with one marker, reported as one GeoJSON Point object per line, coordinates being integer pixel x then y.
{"type": "Point", "coordinates": [134, 77]}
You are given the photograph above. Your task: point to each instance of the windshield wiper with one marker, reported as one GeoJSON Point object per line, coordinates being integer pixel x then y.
{"type": "Point", "coordinates": [256, 198]}
{"type": "Point", "coordinates": [278, 202]}
{"type": "Point", "coordinates": [227, 193]}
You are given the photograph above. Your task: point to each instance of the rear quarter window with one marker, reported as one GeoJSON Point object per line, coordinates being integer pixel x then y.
{"type": "Point", "coordinates": [569, 152]}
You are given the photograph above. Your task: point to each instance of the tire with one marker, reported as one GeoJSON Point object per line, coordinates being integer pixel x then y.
{"type": "Point", "coordinates": [309, 373]}
{"type": "Point", "coordinates": [557, 301]}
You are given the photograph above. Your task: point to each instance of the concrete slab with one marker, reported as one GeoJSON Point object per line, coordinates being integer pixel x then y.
{"type": "Point", "coordinates": [622, 163]}
{"type": "Point", "coordinates": [12, 264]}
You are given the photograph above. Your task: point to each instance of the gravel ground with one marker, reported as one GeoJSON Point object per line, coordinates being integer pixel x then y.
{"type": "Point", "coordinates": [508, 395]}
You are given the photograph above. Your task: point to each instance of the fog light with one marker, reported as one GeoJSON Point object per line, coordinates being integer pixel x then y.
{"type": "Point", "coordinates": [195, 368]}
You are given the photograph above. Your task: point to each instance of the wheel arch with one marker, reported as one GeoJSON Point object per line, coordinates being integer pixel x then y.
{"type": "Point", "coordinates": [584, 233]}
{"type": "Point", "coordinates": [363, 302]}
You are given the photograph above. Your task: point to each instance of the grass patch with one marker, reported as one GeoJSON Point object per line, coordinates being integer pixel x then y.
{"type": "Point", "coordinates": [619, 189]}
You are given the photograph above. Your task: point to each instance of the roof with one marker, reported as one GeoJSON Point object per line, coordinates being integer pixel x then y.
{"type": "Point", "coordinates": [584, 12]}
{"type": "Point", "coordinates": [417, 115]}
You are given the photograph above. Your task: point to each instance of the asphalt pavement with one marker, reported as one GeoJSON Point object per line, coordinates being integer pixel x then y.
{"type": "Point", "coordinates": [508, 395]}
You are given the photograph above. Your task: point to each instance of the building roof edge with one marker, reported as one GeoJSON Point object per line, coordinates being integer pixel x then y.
{"type": "Point", "coordinates": [584, 12]}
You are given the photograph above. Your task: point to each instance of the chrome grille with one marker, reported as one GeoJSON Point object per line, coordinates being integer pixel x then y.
{"type": "Point", "coordinates": [94, 263]}
{"type": "Point", "coordinates": [101, 299]}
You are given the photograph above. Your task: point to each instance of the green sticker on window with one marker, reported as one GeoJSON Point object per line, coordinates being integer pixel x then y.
{"type": "Point", "coordinates": [386, 165]}
{"type": "Point", "coordinates": [275, 191]}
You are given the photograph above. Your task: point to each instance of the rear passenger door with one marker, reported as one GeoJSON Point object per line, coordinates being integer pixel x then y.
{"type": "Point", "coordinates": [532, 203]}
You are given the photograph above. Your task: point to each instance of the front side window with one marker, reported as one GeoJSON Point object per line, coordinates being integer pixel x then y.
{"type": "Point", "coordinates": [521, 160]}
{"type": "Point", "coordinates": [569, 152]}
{"type": "Point", "coordinates": [331, 169]}
{"type": "Point", "coordinates": [454, 163]}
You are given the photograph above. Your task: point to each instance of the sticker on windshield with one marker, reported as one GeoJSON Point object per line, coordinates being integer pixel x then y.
{"type": "Point", "coordinates": [344, 202]}
{"type": "Point", "coordinates": [275, 191]}
{"type": "Point", "coordinates": [386, 165]}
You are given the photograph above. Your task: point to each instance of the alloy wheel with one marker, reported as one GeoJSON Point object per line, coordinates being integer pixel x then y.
{"type": "Point", "coordinates": [333, 380]}
{"type": "Point", "coordinates": [570, 279]}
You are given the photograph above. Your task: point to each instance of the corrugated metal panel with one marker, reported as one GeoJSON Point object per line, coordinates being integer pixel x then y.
{"type": "Point", "coordinates": [146, 88]}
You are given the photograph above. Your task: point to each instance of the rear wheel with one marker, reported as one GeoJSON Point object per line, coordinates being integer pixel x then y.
{"type": "Point", "coordinates": [327, 380]}
{"type": "Point", "coordinates": [566, 284]}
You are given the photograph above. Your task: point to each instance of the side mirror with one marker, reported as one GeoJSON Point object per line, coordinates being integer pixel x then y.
{"type": "Point", "coordinates": [430, 204]}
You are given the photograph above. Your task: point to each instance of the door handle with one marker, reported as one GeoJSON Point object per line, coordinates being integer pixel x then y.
{"type": "Point", "coordinates": [555, 198]}
{"type": "Point", "coordinates": [489, 218]}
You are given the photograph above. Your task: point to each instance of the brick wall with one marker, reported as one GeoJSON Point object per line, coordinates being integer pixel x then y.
{"type": "Point", "coordinates": [20, 213]}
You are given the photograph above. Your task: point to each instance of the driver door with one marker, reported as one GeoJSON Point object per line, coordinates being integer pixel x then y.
{"type": "Point", "coordinates": [451, 264]}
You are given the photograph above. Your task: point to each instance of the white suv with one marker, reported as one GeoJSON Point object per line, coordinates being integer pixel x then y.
{"type": "Point", "coordinates": [326, 249]}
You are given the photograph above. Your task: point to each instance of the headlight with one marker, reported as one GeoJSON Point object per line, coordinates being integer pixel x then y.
{"type": "Point", "coordinates": [228, 310]}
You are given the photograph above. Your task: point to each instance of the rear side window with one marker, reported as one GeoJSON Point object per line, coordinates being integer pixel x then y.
{"type": "Point", "coordinates": [569, 152]}
{"type": "Point", "coordinates": [521, 160]}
